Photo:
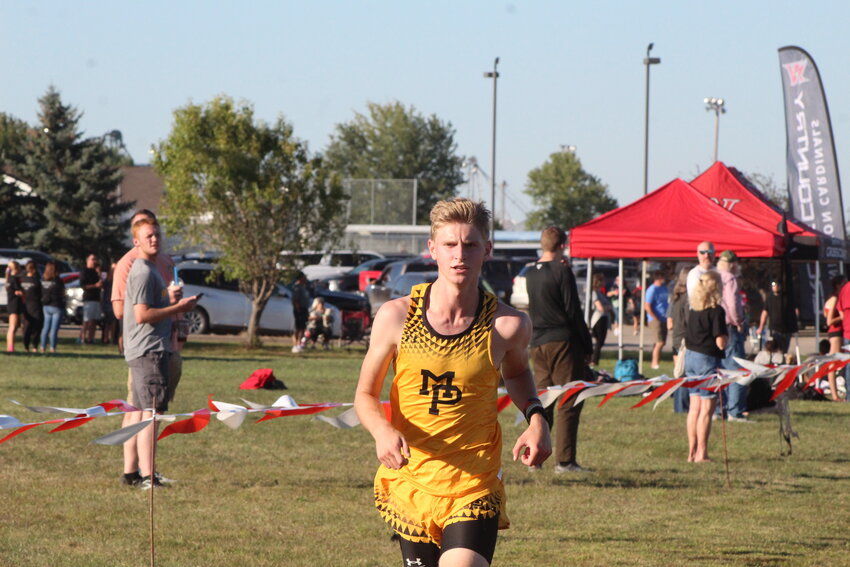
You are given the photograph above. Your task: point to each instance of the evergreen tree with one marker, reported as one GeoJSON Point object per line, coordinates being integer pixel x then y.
{"type": "Point", "coordinates": [74, 181]}
{"type": "Point", "coordinates": [18, 212]}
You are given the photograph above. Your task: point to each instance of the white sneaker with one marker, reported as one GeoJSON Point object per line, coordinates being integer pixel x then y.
{"type": "Point", "coordinates": [297, 348]}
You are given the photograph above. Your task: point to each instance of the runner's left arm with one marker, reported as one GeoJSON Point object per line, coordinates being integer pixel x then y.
{"type": "Point", "coordinates": [534, 445]}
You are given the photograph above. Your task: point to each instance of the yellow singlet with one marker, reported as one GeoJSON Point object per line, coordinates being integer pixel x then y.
{"type": "Point", "coordinates": [443, 401]}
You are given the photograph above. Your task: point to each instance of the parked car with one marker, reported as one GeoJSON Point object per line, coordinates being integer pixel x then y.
{"type": "Point", "coordinates": [74, 301]}
{"type": "Point", "coordinates": [405, 283]}
{"type": "Point", "coordinates": [351, 281]}
{"type": "Point", "coordinates": [40, 258]}
{"type": "Point", "coordinates": [224, 308]}
{"type": "Point", "coordinates": [379, 292]}
{"type": "Point", "coordinates": [321, 265]}
{"type": "Point", "coordinates": [497, 271]}
{"type": "Point", "coordinates": [519, 292]}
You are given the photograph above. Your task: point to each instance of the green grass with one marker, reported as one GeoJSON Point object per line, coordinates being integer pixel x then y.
{"type": "Point", "coordinates": [294, 491]}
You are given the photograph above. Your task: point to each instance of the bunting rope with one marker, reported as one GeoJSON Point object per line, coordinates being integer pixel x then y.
{"type": "Point", "coordinates": [233, 416]}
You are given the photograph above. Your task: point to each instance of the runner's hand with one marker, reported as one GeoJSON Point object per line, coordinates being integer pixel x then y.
{"type": "Point", "coordinates": [534, 445]}
{"type": "Point", "coordinates": [391, 448]}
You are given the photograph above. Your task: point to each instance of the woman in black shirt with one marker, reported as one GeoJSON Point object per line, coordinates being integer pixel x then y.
{"type": "Point", "coordinates": [53, 305]}
{"type": "Point", "coordinates": [705, 339]}
{"type": "Point", "coordinates": [30, 284]}
{"type": "Point", "coordinates": [14, 303]}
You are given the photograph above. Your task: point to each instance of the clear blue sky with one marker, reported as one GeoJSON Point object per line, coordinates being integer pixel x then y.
{"type": "Point", "coordinates": [571, 73]}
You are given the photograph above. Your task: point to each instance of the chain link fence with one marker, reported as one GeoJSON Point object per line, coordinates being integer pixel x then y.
{"type": "Point", "coordinates": [381, 201]}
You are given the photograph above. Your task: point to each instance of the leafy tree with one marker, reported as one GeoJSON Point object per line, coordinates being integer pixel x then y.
{"type": "Point", "coordinates": [248, 190]}
{"type": "Point", "coordinates": [394, 142]}
{"type": "Point", "coordinates": [565, 194]}
{"type": "Point", "coordinates": [74, 181]}
{"type": "Point", "coordinates": [768, 187]}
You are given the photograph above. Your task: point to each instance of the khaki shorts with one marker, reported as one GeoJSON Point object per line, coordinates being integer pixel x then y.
{"type": "Point", "coordinates": [660, 330]}
{"type": "Point", "coordinates": [175, 371]}
{"type": "Point", "coordinates": [420, 517]}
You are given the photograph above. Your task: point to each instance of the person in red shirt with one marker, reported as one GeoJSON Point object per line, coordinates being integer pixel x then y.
{"type": "Point", "coordinates": [841, 310]}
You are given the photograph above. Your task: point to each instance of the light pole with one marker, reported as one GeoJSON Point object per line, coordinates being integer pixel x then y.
{"type": "Point", "coordinates": [647, 61]}
{"type": "Point", "coordinates": [718, 106]}
{"type": "Point", "coordinates": [495, 76]}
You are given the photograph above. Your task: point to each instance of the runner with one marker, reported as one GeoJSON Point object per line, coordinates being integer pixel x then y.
{"type": "Point", "coordinates": [439, 485]}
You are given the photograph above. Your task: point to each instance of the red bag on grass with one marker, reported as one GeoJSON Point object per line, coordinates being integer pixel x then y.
{"type": "Point", "coordinates": [262, 378]}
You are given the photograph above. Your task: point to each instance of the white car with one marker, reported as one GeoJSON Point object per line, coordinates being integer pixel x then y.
{"type": "Point", "coordinates": [224, 308]}
{"type": "Point", "coordinates": [519, 293]}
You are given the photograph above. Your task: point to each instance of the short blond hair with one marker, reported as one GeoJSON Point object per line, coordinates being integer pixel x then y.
{"type": "Point", "coordinates": [707, 293]}
{"type": "Point", "coordinates": [461, 210]}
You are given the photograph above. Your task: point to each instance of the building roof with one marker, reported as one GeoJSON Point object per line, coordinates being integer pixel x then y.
{"type": "Point", "coordinates": [142, 185]}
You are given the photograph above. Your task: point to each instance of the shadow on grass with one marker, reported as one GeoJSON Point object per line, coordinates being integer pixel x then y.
{"type": "Point", "coordinates": [68, 355]}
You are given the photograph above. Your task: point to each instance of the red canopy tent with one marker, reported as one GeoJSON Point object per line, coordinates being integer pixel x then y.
{"type": "Point", "coordinates": [730, 189]}
{"type": "Point", "coordinates": [669, 223]}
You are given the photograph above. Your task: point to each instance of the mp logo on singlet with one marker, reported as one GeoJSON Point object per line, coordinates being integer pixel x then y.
{"type": "Point", "coordinates": [442, 391]}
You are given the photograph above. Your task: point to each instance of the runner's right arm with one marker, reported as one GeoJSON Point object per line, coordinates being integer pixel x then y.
{"type": "Point", "coordinates": [390, 445]}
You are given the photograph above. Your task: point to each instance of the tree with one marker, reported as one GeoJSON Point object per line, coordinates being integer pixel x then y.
{"type": "Point", "coordinates": [565, 194]}
{"type": "Point", "coordinates": [768, 187]}
{"type": "Point", "coordinates": [248, 190]}
{"type": "Point", "coordinates": [74, 182]}
{"type": "Point", "coordinates": [394, 142]}
{"type": "Point", "coordinates": [18, 211]}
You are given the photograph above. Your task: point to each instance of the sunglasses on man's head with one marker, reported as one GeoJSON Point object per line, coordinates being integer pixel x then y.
{"type": "Point", "coordinates": [706, 251]}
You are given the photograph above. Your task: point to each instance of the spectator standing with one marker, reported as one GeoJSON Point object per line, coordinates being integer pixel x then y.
{"type": "Point", "coordinates": [14, 302]}
{"type": "Point", "coordinates": [834, 329]}
{"type": "Point", "coordinates": [53, 306]}
{"type": "Point", "coordinates": [300, 309]}
{"type": "Point", "coordinates": [705, 341]}
{"type": "Point", "coordinates": [560, 340]}
{"type": "Point", "coordinates": [735, 395]}
{"type": "Point", "coordinates": [619, 294]}
{"type": "Point", "coordinates": [657, 302]}
{"type": "Point", "coordinates": [165, 267]}
{"type": "Point", "coordinates": [92, 285]}
{"type": "Point", "coordinates": [110, 322]}
{"type": "Point", "coordinates": [779, 316]}
{"type": "Point", "coordinates": [705, 262]}
{"type": "Point", "coordinates": [600, 317]}
{"type": "Point", "coordinates": [30, 284]}
{"type": "Point", "coordinates": [842, 311]}
{"type": "Point", "coordinates": [677, 322]}
{"type": "Point", "coordinates": [149, 309]}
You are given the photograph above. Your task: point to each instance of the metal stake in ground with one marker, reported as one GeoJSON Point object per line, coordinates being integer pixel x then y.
{"type": "Point", "coordinates": [152, 480]}
{"type": "Point", "coordinates": [725, 448]}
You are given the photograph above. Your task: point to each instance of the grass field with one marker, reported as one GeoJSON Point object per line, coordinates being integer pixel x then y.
{"type": "Point", "coordinates": [294, 491]}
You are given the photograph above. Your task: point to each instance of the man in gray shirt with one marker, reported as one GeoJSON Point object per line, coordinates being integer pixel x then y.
{"type": "Point", "coordinates": [149, 306]}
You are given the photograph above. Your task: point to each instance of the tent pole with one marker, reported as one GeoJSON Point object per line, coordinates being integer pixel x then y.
{"type": "Point", "coordinates": [642, 314]}
{"type": "Point", "coordinates": [587, 293]}
{"type": "Point", "coordinates": [620, 301]}
{"type": "Point", "coordinates": [817, 303]}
